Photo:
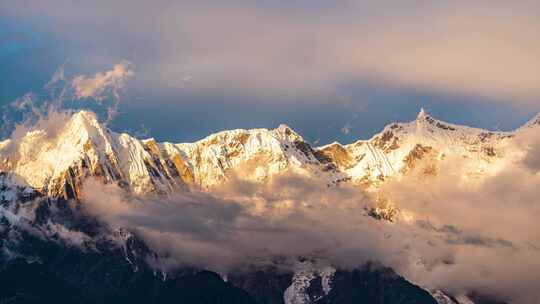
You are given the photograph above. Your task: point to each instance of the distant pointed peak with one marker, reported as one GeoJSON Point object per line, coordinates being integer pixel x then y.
{"type": "Point", "coordinates": [84, 118]}
{"type": "Point", "coordinates": [283, 127]}
{"type": "Point", "coordinates": [422, 114]}
{"type": "Point", "coordinates": [424, 117]}
{"type": "Point", "coordinates": [85, 114]}
{"type": "Point", "coordinates": [288, 132]}
{"type": "Point", "coordinates": [84, 124]}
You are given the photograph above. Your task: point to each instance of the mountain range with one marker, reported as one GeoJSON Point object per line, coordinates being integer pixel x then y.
{"type": "Point", "coordinates": [50, 244]}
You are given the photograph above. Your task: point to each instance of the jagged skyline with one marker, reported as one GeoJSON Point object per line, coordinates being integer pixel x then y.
{"type": "Point", "coordinates": [270, 152]}
{"type": "Point", "coordinates": [221, 200]}
{"type": "Point", "coordinates": [337, 77]}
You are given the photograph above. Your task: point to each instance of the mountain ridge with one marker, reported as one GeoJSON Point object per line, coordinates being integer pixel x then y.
{"type": "Point", "coordinates": [84, 147]}
{"type": "Point", "coordinates": [44, 171]}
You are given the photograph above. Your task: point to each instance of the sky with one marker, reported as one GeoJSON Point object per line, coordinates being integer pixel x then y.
{"type": "Point", "coordinates": [332, 70]}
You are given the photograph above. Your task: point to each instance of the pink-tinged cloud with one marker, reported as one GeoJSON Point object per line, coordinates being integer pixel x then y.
{"type": "Point", "coordinates": [96, 86]}
{"type": "Point", "coordinates": [482, 48]}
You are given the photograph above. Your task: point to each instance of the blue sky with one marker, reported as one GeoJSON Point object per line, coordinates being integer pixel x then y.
{"type": "Point", "coordinates": [322, 67]}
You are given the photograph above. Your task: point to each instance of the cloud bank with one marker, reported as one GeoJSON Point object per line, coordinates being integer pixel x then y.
{"type": "Point", "coordinates": [489, 223]}
{"type": "Point", "coordinates": [455, 233]}
{"type": "Point", "coordinates": [301, 49]}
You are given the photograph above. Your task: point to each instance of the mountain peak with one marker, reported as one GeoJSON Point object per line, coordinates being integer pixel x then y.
{"type": "Point", "coordinates": [84, 125]}
{"type": "Point", "coordinates": [422, 114]}
{"type": "Point", "coordinates": [81, 119]}
{"type": "Point", "coordinates": [84, 115]}
{"type": "Point", "coordinates": [423, 118]}
{"type": "Point", "coordinates": [284, 128]}
{"type": "Point", "coordinates": [288, 133]}
{"type": "Point", "coordinates": [84, 119]}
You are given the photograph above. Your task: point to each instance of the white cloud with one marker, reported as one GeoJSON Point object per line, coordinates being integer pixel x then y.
{"type": "Point", "coordinates": [489, 224]}
{"type": "Point", "coordinates": [103, 85]}
{"type": "Point", "coordinates": [96, 86]}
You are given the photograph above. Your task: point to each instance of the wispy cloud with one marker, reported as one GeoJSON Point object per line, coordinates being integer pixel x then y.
{"type": "Point", "coordinates": [102, 85]}
{"type": "Point", "coordinates": [97, 85]}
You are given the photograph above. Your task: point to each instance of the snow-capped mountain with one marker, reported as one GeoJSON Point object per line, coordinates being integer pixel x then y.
{"type": "Point", "coordinates": [56, 164]}
{"type": "Point", "coordinates": [42, 168]}
{"type": "Point", "coordinates": [399, 146]}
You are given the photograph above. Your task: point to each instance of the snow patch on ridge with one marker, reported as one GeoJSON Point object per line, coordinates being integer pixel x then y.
{"type": "Point", "coordinates": [303, 279]}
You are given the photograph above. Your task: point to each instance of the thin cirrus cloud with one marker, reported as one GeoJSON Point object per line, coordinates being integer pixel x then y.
{"type": "Point", "coordinates": [486, 49]}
